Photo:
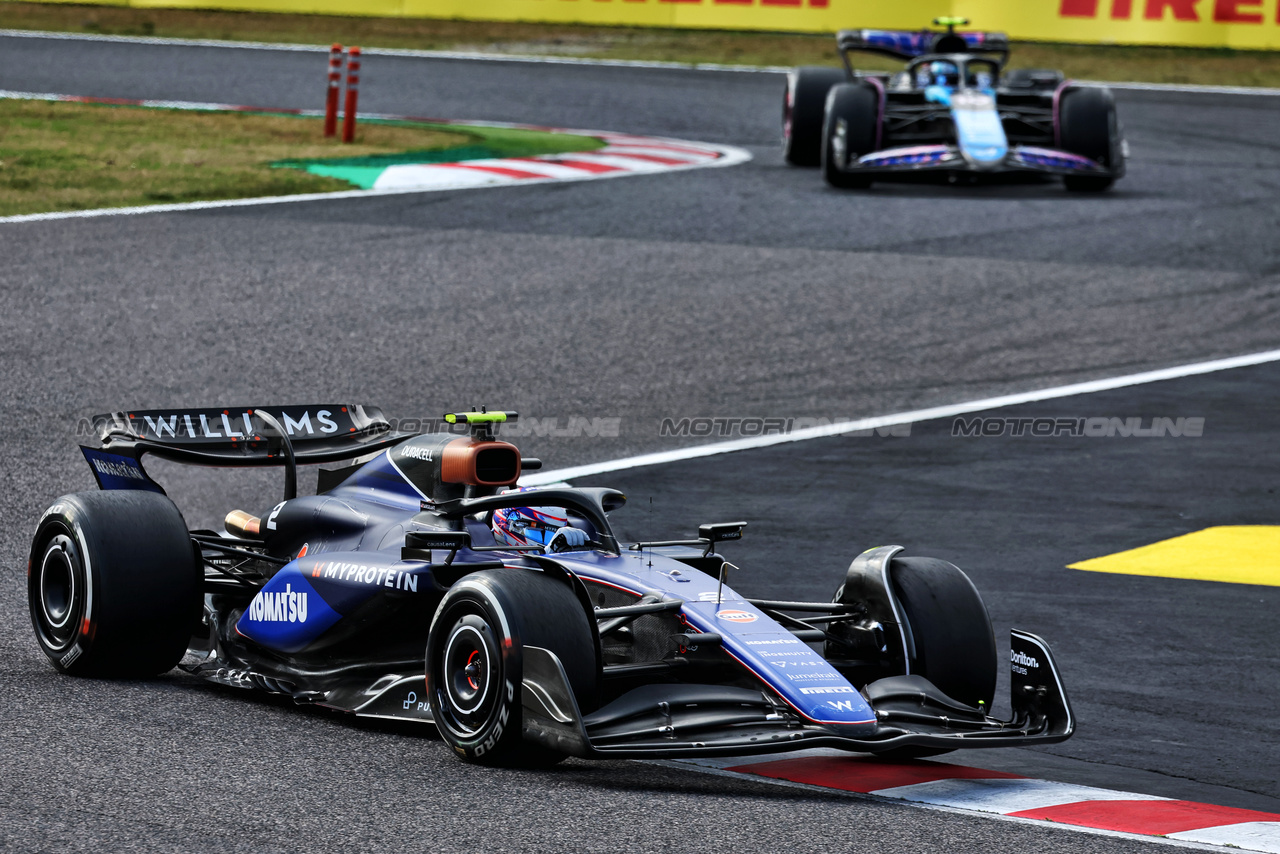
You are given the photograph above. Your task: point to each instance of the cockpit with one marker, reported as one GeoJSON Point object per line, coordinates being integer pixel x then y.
{"type": "Point", "coordinates": [951, 72]}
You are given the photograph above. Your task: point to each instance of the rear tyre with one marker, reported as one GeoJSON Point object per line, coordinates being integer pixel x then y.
{"type": "Point", "coordinates": [802, 107]}
{"type": "Point", "coordinates": [850, 128]}
{"type": "Point", "coordinates": [113, 584]}
{"type": "Point", "coordinates": [1035, 79]}
{"type": "Point", "coordinates": [949, 636]}
{"type": "Point", "coordinates": [475, 661]}
{"type": "Point", "coordinates": [1088, 127]}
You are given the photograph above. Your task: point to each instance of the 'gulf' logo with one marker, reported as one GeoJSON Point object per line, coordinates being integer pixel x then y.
{"type": "Point", "coordinates": [736, 616]}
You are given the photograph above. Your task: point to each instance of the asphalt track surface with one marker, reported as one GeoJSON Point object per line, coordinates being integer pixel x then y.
{"type": "Point", "coordinates": [749, 291]}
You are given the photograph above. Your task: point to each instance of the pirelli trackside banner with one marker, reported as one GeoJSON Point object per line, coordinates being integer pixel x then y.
{"type": "Point", "coordinates": [1202, 23]}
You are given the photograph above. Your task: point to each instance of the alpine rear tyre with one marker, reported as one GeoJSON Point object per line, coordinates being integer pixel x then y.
{"type": "Point", "coordinates": [802, 107]}
{"type": "Point", "coordinates": [475, 661]}
{"type": "Point", "coordinates": [113, 584]}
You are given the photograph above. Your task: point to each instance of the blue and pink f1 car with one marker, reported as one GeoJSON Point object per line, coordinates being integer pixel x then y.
{"type": "Point", "coordinates": [953, 109]}
{"type": "Point", "coordinates": [387, 594]}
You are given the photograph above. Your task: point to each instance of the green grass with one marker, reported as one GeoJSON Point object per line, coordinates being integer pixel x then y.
{"type": "Point", "coordinates": [1149, 64]}
{"type": "Point", "coordinates": [58, 156]}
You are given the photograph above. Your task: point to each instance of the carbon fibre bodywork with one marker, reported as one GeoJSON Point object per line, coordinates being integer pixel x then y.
{"type": "Point", "coordinates": [330, 599]}
{"type": "Point", "coordinates": [926, 129]}
{"type": "Point", "coordinates": [955, 109]}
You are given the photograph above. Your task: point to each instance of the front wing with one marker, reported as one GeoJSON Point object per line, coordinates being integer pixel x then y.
{"type": "Point", "coordinates": [948, 158]}
{"type": "Point", "coordinates": [672, 719]}
{"type": "Point", "coordinates": [693, 720]}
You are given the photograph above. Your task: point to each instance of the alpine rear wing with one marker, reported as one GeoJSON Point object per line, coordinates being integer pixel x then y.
{"type": "Point", "coordinates": [903, 44]}
{"type": "Point", "coordinates": [235, 436]}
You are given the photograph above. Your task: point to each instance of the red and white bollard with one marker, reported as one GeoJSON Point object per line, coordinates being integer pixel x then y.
{"type": "Point", "coordinates": [353, 85]}
{"type": "Point", "coordinates": [331, 97]}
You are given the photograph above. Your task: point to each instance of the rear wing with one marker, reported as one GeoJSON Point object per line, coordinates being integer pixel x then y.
{"type": "Point", "coordinates": [234, 436]}
{"type": "Point", "coordinates": [903, 44]}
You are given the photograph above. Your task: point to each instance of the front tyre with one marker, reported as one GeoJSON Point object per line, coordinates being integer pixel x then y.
{"type": "Point", "coordinates": [475, 661]}
{"type": "Point", "coordinates": [949, 637]}
{"type": "Point", "coordinates": [802, 107]}
{"type": "Point", "coordinates": [113, 584]}
{"type": "Point", "coordinates": [948, 634]}
{"type": "Point", "coordinates": [850, 128]}
{"type": "Point", "coordinates": [1089, 127]}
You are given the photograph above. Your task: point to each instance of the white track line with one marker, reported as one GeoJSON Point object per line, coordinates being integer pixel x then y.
{"type": "Point", "coordinates": [563, 60]}
{"type": "Point", "coordinates": [201, 206]}
{"type": "Point", "coordinates": [1184, 87]}
{"type": "Point", "coordinates": [930, 414]}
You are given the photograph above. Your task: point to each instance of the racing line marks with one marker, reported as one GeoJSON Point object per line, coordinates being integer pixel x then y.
{"type": "Point", "coordinates": [958, 787]}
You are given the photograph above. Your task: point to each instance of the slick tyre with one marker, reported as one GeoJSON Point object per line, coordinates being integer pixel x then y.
{"type": "Point", "coordinates": [475, 661]}
{"type": "Point", "coordinates": [849, 129]}
{"type": "Point", "coordinates": [113, 584]}
{"type": "Point", "coordinates": [802, 106]}
{"type": "Point", "coordinates": [948, 634]}
{"type": "Point", "coordinates": [1088, 127]}
{"type": "Point", "coordinates": [1036, 79]}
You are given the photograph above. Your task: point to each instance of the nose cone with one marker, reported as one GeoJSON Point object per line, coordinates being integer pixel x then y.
{"type": "Point", "coordinates": [978, 129]}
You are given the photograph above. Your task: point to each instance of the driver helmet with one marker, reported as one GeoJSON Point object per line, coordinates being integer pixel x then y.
{"type": "Point", "coordinates": [527, 526]}
{"type": "Point", "coordinates": [944, 73]}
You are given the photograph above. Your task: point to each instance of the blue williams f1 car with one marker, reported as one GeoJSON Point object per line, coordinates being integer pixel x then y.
{"type": "Point", "coordinates": [420, 584]}
{"type": "Point", "coordinates": [954, 110]}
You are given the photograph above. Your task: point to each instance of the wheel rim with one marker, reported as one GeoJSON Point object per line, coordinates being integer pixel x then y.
{"type": "Point", "coordinates": [469, 666]}
{"type": "Point", "coordinates": [840, 144]}
{"type": "Point", "coordinates": [466, 663]}
{"type": "Point", "coordinates": [59, 591]}
{"type": "Point", "coordinates": [788, 106]}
